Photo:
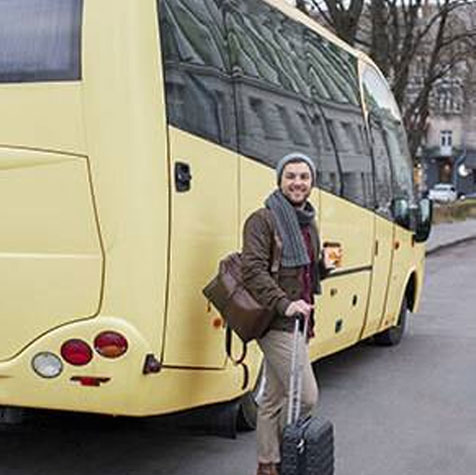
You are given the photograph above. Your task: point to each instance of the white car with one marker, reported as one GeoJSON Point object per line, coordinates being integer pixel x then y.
{"type": "Point", "coordinates": [443, 192]}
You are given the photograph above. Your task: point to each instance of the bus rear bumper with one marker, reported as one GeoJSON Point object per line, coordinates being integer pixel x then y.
{"type": "Point", "coordinates": [112, 386]}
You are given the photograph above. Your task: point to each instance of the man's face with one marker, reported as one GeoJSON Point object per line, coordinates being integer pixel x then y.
{"type": "Point", "coordinates": [296, 182]}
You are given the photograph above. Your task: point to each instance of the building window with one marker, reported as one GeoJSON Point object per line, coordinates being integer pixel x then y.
{"type": "Point", "coordinates": [446, 138]}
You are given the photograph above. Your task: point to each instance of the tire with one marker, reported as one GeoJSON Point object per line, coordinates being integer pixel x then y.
{"type": "Point", "coordinates": [393, 336]}
{"type": "Point", "coordinates": [248, 410]}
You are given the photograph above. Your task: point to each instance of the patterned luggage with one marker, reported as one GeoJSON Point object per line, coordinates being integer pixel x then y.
{"type": "Point", "coordinates": [307, 447]}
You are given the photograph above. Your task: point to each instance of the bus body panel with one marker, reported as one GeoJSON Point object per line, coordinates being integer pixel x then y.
{"type": "Point", "coordinates": [124, 113]}
{"type": "Point", "coordinates": [382, 259]}
{"type": "Point", "coordinates": [338, 320]}
{"type": "Point", "coordinates": [204, 228]}
{"type": "Point", "coordinates": [341, 310]}
{"type": "Point", "coordinates": [51, 261]}
{"type": "Point", "coordinates": [402, 261]}
{"type": "Point", "coordinates": [419, 272]}
{"type": "Point", "coordinates": [23, 122]}
{"type": "Point", "coordinates": [155, 247]}
{"type": "Point", "coordinates": [125, 390]}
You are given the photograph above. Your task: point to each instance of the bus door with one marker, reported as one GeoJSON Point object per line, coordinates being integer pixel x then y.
{"type": "Point", "coordinates": [394, 179]}
{"type": "Point", "coordinates": [402, 256]}
{"type": "Point", "coordinates": [341, 308]}
{"type": "Point", "coordinates": [384, 229]}
{"type": "Point", "coordinates": [203, 177]}
{"type": "Point", "coordinates": [346, 218]}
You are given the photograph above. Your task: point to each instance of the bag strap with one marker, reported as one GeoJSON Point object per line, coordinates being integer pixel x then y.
{"type": "Point", "coordinates": [276, 254]}
{"type": "Point", "coordinates": [228, 345]}
{"type": "Point", "coordinates": [277, 246]}
{"type": "Point", "coordinates": [241, 359]}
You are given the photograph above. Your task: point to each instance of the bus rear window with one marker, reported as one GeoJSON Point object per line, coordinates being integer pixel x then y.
{"type": "Point", "coordinates": [40, 40]}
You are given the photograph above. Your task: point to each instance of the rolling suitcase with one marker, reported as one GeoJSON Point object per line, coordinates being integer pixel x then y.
{"type": "Point", "coordinates": [307, 446]}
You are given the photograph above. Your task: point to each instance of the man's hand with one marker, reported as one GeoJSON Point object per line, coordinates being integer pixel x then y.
{"type": "Point", "coordinates": [299, 306]}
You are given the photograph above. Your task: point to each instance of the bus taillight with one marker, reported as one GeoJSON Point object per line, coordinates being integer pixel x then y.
{"type": "Point", "coordinates": [76, 352]}
{"type": "Point", "coordinates": [110, 344]}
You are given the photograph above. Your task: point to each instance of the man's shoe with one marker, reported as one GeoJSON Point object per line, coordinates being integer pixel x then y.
{"type": "Point", "coordinates": [267, 469]}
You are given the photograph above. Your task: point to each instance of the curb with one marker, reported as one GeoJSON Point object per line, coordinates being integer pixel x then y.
{"type": "Point", "coordinates": [442, 247]}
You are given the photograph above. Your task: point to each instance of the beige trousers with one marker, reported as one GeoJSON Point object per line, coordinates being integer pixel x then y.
{"type": "Point", "coordinates": [277, 348]}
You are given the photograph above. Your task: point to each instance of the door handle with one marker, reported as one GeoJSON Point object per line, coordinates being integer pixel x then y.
{"type": "Point", "coordinates": [183, 177]}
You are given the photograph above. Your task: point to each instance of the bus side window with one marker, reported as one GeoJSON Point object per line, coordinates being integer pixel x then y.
{"type": "Point", "coordinates": [383, 177]}
{"type": "Point", "coordinates": [274, 110]}
{"type": "Point", "coordinates": [197, 77]}
{"type": "Point", "coordinates": [385, 119]}
{"type": "Point", "coordinates": [40, 40]}
{"type": "Point", "coordinates": [334, 81]}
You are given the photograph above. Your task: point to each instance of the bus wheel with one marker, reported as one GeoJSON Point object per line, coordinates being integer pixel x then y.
{"type": "Point", "coordinates": [248, 411]}
{"type": "Point", "coordinates": [394, 335]}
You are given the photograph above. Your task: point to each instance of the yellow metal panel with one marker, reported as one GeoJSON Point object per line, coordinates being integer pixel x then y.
{"type": "Point", "coordinates": [419, 259]}
{"type": "Point", "coordinates": [42, 116]}
{"type": "Point", "coordinates": [127, 392]}
{"type": "Point", "coordinates": [124, 113]}
{"type": "Point", "coordinates": [50, 254]}
{"type": "Point", "coordinates": [204, 229]}
{"type": "Point", "coordinates": [257, 181]}
{"type": "Point", "coordinates": [403, 260]}
{"type": "Point", "coordinates": [350, 225]}
{"type": "Point", "coordinates": [341, 310]}
{"type": "Point", "coordinates": [382, 260]}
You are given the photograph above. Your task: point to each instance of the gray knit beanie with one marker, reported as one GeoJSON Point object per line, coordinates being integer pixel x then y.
{"type": "Point", "coordinates": [295, 157]}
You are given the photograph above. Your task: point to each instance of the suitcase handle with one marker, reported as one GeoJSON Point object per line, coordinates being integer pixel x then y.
{"type": "Point", "coordinates": [295, 378]}
{"type": "Point", "coordinates": [301, 320]}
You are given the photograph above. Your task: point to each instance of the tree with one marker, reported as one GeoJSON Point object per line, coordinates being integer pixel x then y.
{"type": "Point", "coordinates": [405, 37]}
{"type": "Point", "coordinates": [344, 20]}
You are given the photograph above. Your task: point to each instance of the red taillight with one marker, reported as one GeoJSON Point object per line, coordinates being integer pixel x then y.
{"type": "Point", "coordinates": [76, 352]}
{"type": "Point", "coordinates": [110, 344]}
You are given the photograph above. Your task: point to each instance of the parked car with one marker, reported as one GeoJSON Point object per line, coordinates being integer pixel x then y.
{"type": "Point", "coordinates": [443, 193]}
{"type": "Point", "coordinates": [468, 196]}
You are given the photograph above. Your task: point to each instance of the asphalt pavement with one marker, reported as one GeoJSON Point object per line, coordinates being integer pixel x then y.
{"type": "Point", "coordinates": [445, 235]}
{"type": "Point", "coordinates": [405, 410]}
{"type": "Point", "coordinates": [409, 409]}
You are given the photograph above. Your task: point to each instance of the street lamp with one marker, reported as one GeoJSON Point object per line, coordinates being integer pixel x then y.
{"type": "Point", "coordinates": [459, 169]}
{"type": "Point", "coordinates": [464, 171]}
{"type": "Point", "coordinates": [418, 171]}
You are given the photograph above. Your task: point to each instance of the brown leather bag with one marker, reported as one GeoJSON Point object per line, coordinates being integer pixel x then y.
{"type": "Point", "coordinates": [242, 313]}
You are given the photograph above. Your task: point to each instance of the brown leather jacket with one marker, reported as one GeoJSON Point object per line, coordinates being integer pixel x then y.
{"type": "Point", "coordinates": [273, 290]}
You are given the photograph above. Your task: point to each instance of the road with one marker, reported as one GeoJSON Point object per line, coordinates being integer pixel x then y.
{"type": "Point", "coordinates": [406, 410]}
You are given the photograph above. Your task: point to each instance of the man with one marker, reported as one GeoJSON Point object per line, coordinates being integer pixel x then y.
{"type": "Point", "coordinates": [287, 223]}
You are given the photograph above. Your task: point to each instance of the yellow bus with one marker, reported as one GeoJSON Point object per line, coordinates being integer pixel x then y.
{"type": "Point", "coordinates": [135, 138]}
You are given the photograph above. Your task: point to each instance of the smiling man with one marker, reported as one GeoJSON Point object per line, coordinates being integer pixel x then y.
{"type": "Point", "coordinates": [286, 225]}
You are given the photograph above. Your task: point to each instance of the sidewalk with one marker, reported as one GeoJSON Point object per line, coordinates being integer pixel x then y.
{"type": "Point", "coordinates": [448, 234]}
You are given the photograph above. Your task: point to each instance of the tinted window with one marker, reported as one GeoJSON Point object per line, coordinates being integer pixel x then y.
{"type": "Point", "coordinates": [40, 40]}
{"type": "Point", "coordinates": [199, 91]}
{"type": "Point", "coordinates": [244, 66]}
{"type": "Point", "coordinates": [276, 113]}
{"type": "Point", "coordinates": [386, 118]}
{"type": "Point", "coordinates": [383, 176]}
{"type": "Point", "coordinates": [334, 85]}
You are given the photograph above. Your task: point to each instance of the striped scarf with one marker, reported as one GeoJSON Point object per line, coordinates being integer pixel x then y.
{"type": "Point", "coordinates": [289, 221]}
